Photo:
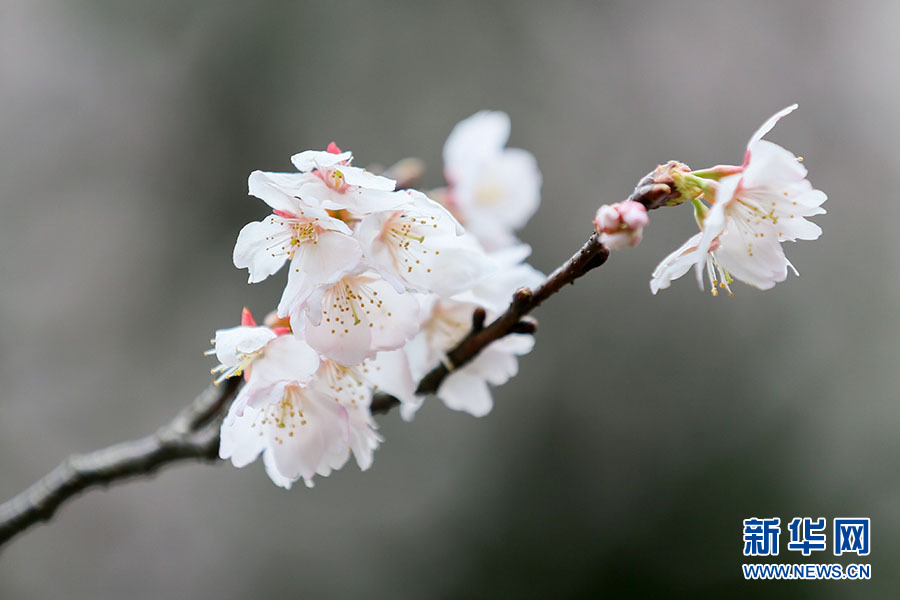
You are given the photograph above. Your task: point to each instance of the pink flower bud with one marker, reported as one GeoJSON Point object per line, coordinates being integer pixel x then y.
{"type": "Point", "coordinates": [607, 219]}
{"type": "Point", "coordinates": [621, 224]}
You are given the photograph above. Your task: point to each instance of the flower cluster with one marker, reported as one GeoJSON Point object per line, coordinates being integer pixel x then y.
{"type": "Point", "coordinates": [381, 283]}
{"type": "Point", "coordinates": [753, 208]}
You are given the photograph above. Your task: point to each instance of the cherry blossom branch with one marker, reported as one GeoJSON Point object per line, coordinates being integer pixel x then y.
{"type": "Point", "coordinates": [192, 434]}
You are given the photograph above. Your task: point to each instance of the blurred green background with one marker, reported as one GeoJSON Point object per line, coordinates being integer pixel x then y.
{"type": "Point", "coordinates": [641, 430]}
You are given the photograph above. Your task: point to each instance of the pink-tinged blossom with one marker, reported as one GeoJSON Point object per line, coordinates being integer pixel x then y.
{"type": "Point", "coordinates": [334, 184]}
{"type": "Point", "coordinates": [319, 247]}
{"type": "Point", "coordinates": [356, 317]}
{"type": "Point", "coordinates": [493, 190]}
{"type": "Point", "coordinates": [421, 247]}
{"type": "Point", "coordinates": [756, 207]}
{"type": "Point", "coordinates": [621, 225]}
{"type": "Point", "coordinates": [282, 410]}
{"type": "Point", "coordinates": [267, 358]}
{"type": "Point", "coordinates": [301, 433]}
{"type": "Point", "coordinates": [311, 429]}
{"type": "Point", "coordinates": [765, 202]}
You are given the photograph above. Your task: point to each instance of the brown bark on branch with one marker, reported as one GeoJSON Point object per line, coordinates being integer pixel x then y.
{"type": "Point", "coordinates": [192, 434]}
{"type": "Point", "coordinates": [591, 255]}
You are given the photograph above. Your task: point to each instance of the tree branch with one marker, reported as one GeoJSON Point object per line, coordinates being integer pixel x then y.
{"type": "Point", "coordinates": [590, 256]}
{"type": "Point", "coordinates": [194, 432]}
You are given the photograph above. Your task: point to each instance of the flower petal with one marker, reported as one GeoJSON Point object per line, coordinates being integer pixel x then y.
{"type": "Point", "coordinates": [286, 359]}
{"type": "Point", "coordinates": [363, 439]}
{"type": "Point", "coordinates": [474, 140]}
{"type": "Point", "coordinates": [396, 320]}
{"type": "Point", "coordinates": [233, 342]}
{"type": "Point", "coordinates": [497, 363]}
{"type": "Point", "coordinates": [772, 166]}
{"type": "Point", "coordinates": [240, 439]}
{"type": "Point", "coordinates": [769, 124]}
{"type": "Point", "coordinates": [275, 189]}
{"type": "Point", "coordinates": [258, 248]}
{"type": "Point", "coordinates": [466, 391]}
{"type": "Point", "coordinates": [506, 188]}
{"type": "Point", "coordinates": [715, 221]}
{"type": "Point", "coordinates": [315, 264]}
{"type": "Point", "coordinates": [676, 264]}
{"type": "Point", "coordinates": [312, 159]}
{"type": "Point", "coordinates": [495, 292]}
{"type": "Point", "coordinates": [389, 372]}
{"type": "Point", "coordinates": [367, 180]}
{"type": "Point", "coordinates": [307, 432]}
{"type": "Point", "coordinates": [357, 200]}
{"type": "Point", "coordinates": [758, 261]}
{"type": "Point", "coordinates": [273, 473]}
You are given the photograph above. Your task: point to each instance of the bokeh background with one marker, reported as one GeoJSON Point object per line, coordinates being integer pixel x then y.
{"type": "Point", "coordinates": [641, 430]}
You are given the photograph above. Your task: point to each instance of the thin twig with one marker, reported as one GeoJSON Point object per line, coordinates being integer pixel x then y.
{"type": "Point", "coordinates": [192, 434]}
{"type": "Point", "coordinates": [590, 256]}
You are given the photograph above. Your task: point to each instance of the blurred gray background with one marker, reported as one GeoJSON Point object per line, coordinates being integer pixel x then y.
{"type": "Point", "coordinates": [622, 459]}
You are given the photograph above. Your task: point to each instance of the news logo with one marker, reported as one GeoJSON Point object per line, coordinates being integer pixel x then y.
{"type": "Point", "coordinates": [807, 535]}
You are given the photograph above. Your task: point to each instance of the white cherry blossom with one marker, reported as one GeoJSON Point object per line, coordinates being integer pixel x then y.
{"type": "Point", "coordinates": [284, 411]}
{"type": "Point", "coordinates": [756, 207]}
{"type": "Point", "coordinates": [320, 248]}
{"type": "Point", "coordinates": [493, 190]}
{"type": "Point", "coordinates": [763, 202]}
{"type": "Point", "coordinates": [356, 317]}
{"type": "Point", "coordinates": [420, 247]}
{"type": "Point", "coordinates": [301, 433]}
{"type": "Point", "coordinates": [311, 429]}
{"type": "Point", "coordinates": [267, 358]}
{"type": "Point", "coordinates": [337, 185]}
